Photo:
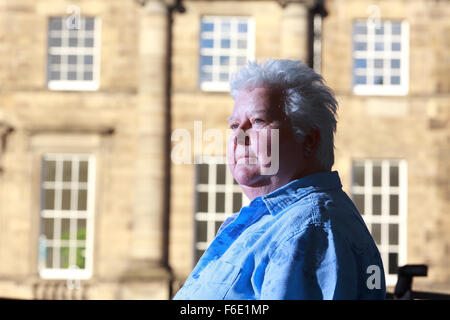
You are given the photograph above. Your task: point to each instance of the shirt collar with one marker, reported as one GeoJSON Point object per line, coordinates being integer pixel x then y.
{"type": "Point", "coordinates": [284, 196]}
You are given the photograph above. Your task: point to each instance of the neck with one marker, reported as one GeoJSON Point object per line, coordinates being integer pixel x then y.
{"type": "Point", "coordinates": [273, 183]}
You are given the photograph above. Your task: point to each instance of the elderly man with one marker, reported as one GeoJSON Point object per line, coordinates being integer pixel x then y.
{"type": "Point", "coordinates": [301, 237]}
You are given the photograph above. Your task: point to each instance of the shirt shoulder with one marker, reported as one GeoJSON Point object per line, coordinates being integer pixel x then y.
{"type": "Point", "coordinates": [330, 210]}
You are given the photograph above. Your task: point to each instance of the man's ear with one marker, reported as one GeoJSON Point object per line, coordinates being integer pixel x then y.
{"type": "Point", "coordinates": [311, 142]}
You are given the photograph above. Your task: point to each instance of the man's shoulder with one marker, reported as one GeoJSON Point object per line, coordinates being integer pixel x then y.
{"type": "Point", "coordinates": [330, 211]}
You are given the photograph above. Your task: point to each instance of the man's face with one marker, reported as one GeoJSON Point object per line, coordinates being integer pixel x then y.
{"type": "Point", "coordinates": [257, 112]}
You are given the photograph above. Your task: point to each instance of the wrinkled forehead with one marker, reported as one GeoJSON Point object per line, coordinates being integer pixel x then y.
{"type": "Point", "coordinates": [266, 100]}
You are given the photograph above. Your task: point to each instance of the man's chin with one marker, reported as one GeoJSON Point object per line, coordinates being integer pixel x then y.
{"type": "Point", "coordinates": [250, 177]}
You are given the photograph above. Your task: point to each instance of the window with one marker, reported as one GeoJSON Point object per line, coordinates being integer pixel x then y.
{"type": "Point", "coordinates": [218, 196]}
{"type": "Point", "coordinates": [379, 193]}
{"type": "Point", "coordinates": [380, 57]}
{"type": "Point", "coordinates": [226, 44]}
{"type": "Point", "coordinates": [73, 55]}
{"type": "Point", "coordinates": [66, 217]}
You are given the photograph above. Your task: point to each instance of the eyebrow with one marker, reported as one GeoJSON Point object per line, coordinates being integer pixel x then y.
{"type": "Point", "coordinates": [255, 111]}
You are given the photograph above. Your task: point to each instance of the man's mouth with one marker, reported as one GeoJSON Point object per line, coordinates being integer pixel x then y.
{"type": "Point", "coordinates": [247, 160]}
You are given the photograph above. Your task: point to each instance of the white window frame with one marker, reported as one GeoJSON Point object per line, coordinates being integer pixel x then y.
{"type": "Point", "coordinates": [211, 188]}
{"type": "Point", "coordinates": [232, 52]}
{"type": "Point", "coordinates": [385, 219]}
{"type": "Point", "coordinates": [65, 50]}
{"type": "Point", "coordinates": [57, 213]}
{"type": "Point", "coordinates": [370, 54]}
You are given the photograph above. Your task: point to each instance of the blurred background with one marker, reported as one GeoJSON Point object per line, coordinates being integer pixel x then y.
{"type": "Point", "coordinates": [91, 205]}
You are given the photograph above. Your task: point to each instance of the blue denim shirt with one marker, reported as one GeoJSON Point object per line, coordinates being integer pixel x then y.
{"type": "Point", "coordinates": [305, 240]}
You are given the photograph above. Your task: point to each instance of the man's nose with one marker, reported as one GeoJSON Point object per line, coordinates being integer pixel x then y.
{"type": "Point", "coordinates": [242, 138]}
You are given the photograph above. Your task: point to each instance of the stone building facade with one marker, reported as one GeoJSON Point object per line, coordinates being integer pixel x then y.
{"type": "Point", "coordinates": [84, 140]}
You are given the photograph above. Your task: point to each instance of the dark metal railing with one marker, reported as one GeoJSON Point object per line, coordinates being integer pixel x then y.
{"type": "Point", "coordinates": [403, 289]}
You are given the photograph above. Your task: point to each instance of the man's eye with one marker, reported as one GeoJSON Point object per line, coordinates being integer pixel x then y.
{"type": "Point", "coordinates": [234, 126]}
{"type": "Point", "coordinates": [258, 121]}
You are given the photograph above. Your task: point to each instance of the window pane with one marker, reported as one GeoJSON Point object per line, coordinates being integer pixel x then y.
{"type": "Point", "coordinates": [395, 80]}
{"type": "Point", "coordinates": [393, 176]}
{"type": "Point", "coordinates": [220, 202]}
{"type": "Point", "coordinates": [379, 46]}
{"type": "Point", "coordinates": [54, 59]}
{"type": "Point", "coordinates": [378, 63]}
{"type": "Point", "coordinates": [50, 169]}
{"type": "Point", "coordinates": [198, 255]}
{"type": "Point", "coordinates": [360, 63]}
{"type": "Point", "coordinates": [396, 27]}
{"type": "Point", "coordinates": [224, 60]}
{"type": "Point", "coordinates": [202, 173]}
{"type": "Point", "coordinates": [360, 80]}
{"type": "Point", "coordinates": [88, 59]}
{"type": "Point", "coordinates": [65, 229]}
{"type": "Point", "coordinates": [89, 24]}
{"type": "Point", "coordinates": [64, 257]}
{"type": "Point", "coordinates": [66, 199]}
{"type": "Point", "coordinates": [71, 76]}
{"type": "Point", "coordinates": [72, 59]}
{"type": "Point", "coordinates": [379, 29]}
{"type": "Point", "coordinates": [89, 42]}
{"type": "Point", "coordinates": [393, 263]}
{"type": "Point", "coordinates": [47, 227]}
{"type": "Point", "coordinates": [360, 46]}
{"type": "Point", "coordinates": [81, 229]}
{"type": "Point", "coordinates": [83, 171]}
{"type": "Point", "coordinates": [207, 43]}
{"type": "Point", "coordinates": [225, 43]}
{"type": "Point", "coordinates": [396, 46]}
{"type": "Point", "coordinates": [376, 204]}
{"type": "Point", "coordinates": [225, 26]}
{"type": "Point", "coordinates": [67, 171]}
{"type": "Point", "coordinates": [49, 260]}
{"type": "Point", "coordinates": [393, 204]}
{"type": "Point", "coordinates": [82, 199]}
{"type": "Point", "coordinates": [88, 76]}
{"type": "Point", "coordinates": [81, 257]}
{"type": "Point", "coordinates": [73, 42]}
{"type": "Point", "coordinates": [242, 27]}
{"type": "Point", "coordinates": [206, 60]}
{"type": "Point", "coordinates": [376, 175]}
{"type": "Point", "coordinates": [55, 42]}
{"type": "Point", "coordinates": [202, 202]}
{"type": "Point", "coordinates": [223, 76]}
{"type": "Point", "coordinates": [358, 199]}
{"type": "Point", "coordinates": [358, 175]}
{"type": "Point", "coordinates": [241, 61]}
{"type": "Point", "coordinates": [208, 27]}
{"type": "Point", "coordinates": [221, 171]}
{"type": "Point", "coordinates": [376, 233]}
{"type": "Point", "coordinates": [393, 233]}
{"type": "Point", "coordinates": [378, 80]}
{"type": "Point", "coordinates": [237, 202]}
{"type": "Point", "coordinates": [395, 63]}
{"type": "Point", "coordinates": [55, 76]}
{"type": "Point", "coordinates": [201, 231]}
{"type": "Point", "coordinates": [360, 28]}
{"type": "Point", "coordinates": [218, 224]}
{"type": "Point", "coordinates": [205, 76]}
{"type": "Point", "coordinates": [55, 24]}
{"type": "Point", "coordinates": [49, 196]}
{"type": "Point", "coordinates": [242, 44]}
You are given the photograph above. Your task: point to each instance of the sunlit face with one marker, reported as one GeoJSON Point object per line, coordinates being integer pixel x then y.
{"type": "Point", "coordinates": [257, 112]}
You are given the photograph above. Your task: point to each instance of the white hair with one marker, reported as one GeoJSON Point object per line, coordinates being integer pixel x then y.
{"type": "Point", "coordinates": [306, 100]}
